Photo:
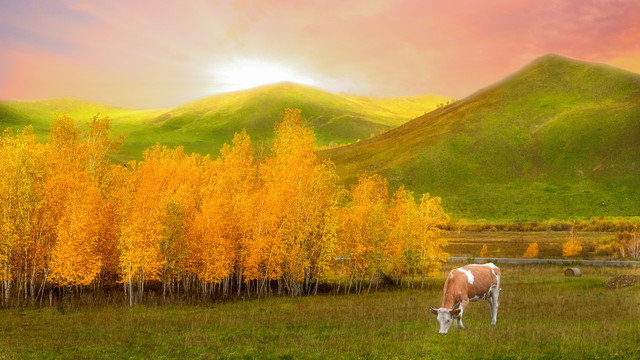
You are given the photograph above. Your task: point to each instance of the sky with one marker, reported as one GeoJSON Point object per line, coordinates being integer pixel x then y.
{"type": "Point", "coordinates": [152, 54]}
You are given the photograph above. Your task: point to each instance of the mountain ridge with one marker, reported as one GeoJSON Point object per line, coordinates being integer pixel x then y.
{"type": "Point", "coordinates": [558, 132]}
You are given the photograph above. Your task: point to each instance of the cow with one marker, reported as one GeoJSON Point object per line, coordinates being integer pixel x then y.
{"type": "Point", "coordinates": [469, 283]}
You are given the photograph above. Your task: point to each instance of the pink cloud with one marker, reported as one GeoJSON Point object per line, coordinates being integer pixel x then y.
{"type": "Point", "coordinates": [81, 7]}
{"type": "Point", "coordinates": [168, 50]}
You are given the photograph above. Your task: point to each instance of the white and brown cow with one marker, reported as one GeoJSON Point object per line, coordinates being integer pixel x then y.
{"type": "Point", "coordinates": [468, 283]}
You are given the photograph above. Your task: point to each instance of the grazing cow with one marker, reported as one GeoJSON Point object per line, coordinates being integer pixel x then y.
{"type": "Point", "coordinates": [468, 283]}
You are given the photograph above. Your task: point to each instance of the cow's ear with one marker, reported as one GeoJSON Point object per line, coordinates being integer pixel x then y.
{"type": "Point", "coordinates": [434, 311]}
{"type": "Point", "coordinates": [455, 312]}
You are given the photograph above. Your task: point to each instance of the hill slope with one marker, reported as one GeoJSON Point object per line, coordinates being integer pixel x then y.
{"type": "Point", "coordinates": [560, 138]}
{"type": "Point", "coordinates": [40, 113]}
{"type": "Point", "coordinates": [204, 125]}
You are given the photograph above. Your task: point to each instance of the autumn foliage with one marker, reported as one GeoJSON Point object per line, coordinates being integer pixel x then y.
{"type": "Point", "coordinates": [573, 245]}
{"type": "Point", "coordinates": [532, 250]}
{"type": "Point", "coordinates": [252, 222]}
{"type": "Point", "coordinates": [484, 251]}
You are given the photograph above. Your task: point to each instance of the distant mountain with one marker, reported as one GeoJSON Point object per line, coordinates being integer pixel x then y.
{"type": "Point", "coordinates": [204, 125]}
{"type": "Point", "coordinates": [558, 139]}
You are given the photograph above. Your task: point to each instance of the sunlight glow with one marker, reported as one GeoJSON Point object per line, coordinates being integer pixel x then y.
{"type": "Point", "coordinates": [242, 75]}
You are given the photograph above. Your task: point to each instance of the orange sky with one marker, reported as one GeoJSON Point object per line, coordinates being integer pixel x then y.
{"type": "Point", "coordinates": [160, 54]}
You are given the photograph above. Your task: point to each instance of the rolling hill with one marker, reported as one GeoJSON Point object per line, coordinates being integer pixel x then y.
{"type": "Point", "coordinates": [558, 139]}
{"type": "Point", "coordinates": [204, 125]}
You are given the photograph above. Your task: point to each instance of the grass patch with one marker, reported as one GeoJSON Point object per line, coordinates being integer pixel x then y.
{"type": "Point", "coordinates": [542, 315]}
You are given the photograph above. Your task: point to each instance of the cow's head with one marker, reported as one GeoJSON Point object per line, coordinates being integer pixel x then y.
{"type": "Point", "coordinates": [445, 318]}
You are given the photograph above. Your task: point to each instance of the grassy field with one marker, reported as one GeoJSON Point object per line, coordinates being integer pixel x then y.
{"type": "Point", "coordinates": [204, 125]}
{"type": "Point", "coordinates": [558, 139]}
{"type": "Point", "coordinates": [514, 244]}
{"type": "Point", "coordinates": [542, 315]}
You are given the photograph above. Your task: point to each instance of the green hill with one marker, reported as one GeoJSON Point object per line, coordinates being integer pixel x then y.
{"type": "Point", "coordinates": [558, 139]}
{"type": "Point", "coordinates": [204, 125]}
{"type": "Point", "coordinates": [40, 113]}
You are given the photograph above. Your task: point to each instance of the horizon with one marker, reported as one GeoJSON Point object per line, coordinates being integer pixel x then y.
{"type": "Point", "coordinates": [221, 93]}
{"type": "Point", "coordinates": [495, 81]}
{"type": "Point", "coordinates": [138, 56]}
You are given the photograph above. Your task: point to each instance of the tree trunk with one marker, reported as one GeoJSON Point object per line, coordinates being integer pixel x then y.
{"type": "Point", "coordinates": [7, 281]}
{"type": "Point", "coordinates": [44, 283]}
{"type": "Point", "coordinates": [130, 286]}
{"type": "Point", "coordinates": [141, 287]}
{"type": "Point", "coordinates": [315, 291]}
{"type": "Point", "coordinates": [164, 287]}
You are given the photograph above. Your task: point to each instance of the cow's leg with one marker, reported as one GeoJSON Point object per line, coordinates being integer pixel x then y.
{"type": "Point", "coordinates": [463, 305]}
{"type": "Point", "coordinates": [493, 303]}
{"type": "Point", "coordinates": [491, 307]}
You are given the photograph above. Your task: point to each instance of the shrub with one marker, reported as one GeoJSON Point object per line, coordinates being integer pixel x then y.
{"type": "Point", "coordinates": [532, 250]}
{"type": "Point", "coordinates": [484, 251]}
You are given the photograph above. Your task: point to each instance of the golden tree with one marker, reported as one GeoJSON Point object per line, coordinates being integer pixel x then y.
{"type": "Point", "coordinates": [532, 250]}
{"type": "Point", "coordinates": [431, 221]}
{"type": "Point", "coordinates": [72, 202]}
{"type": "Point", "coordinates": [363, 231]}
{"type": "Point", "coordinates": [219, 231]}
{"type": "Point", "coordinates": [141, 230]}
{"type": "Point", "coordinates": [294, 192]}
{"type": "Point", "coordinates": [109, 179]}
{"type": "Point", "coordinates": [573, 245]}
{"type": "Point", "coordinates": [75, 259]}
{"type": "Point", "coordinates": [484, 251]}
{"type": "Point", "coordinates": [403, 247]}
{"type": "Point", "coordinates": [162, 198]}
{"type": "Point", "coordinates": [21, 181]}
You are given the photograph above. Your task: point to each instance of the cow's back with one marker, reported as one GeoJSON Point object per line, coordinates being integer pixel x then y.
{"type": "Point", "coordinates": [484, 276]}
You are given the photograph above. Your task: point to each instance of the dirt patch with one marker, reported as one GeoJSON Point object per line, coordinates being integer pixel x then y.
{"type": "Point", "coordinates": [622, 281]}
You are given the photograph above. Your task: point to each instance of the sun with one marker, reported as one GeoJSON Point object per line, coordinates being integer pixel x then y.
{"type": "Point", "coordinates": [246, 74]}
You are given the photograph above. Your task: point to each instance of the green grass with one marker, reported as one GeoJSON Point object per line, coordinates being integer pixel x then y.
{"type": "Point", "coordinates": [204, 125]}
{"type": "Point", "coordinates": [17, 114]}
{"type": "Point", "coordinates": [558, 139]}
{"type": "Point", "coordinates": [542, 315]}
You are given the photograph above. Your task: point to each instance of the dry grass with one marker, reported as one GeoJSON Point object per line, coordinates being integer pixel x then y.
{"type": "Point", "coordinates": [514, 244]}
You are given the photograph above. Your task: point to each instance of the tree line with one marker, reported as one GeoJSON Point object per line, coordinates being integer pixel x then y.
{"type": "Point", "coordinates": [246, 222]}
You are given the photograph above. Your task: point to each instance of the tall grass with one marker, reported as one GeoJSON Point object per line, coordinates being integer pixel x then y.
{"type": "Point", "coordinates": [542, 315]}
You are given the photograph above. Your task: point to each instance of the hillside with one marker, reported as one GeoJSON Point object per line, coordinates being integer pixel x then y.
{"type": "Point", "coordinates": [40, 113]}
{"type": "Point", "coordinates": [558, 139]}
{"type": "Point", "coordinates": [205, 124]}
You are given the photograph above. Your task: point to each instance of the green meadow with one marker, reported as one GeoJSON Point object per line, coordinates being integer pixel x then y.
{"type": "Point", "coordinates": [542, 315]}
{"type": "Point", "coordinates": [204, 125]}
